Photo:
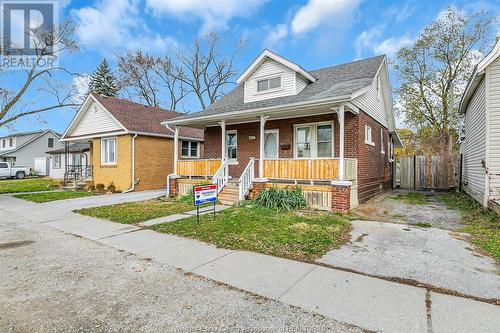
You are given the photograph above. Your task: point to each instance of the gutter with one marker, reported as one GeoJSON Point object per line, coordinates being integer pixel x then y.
{"type": "Point", "coordinates": [133, 166]}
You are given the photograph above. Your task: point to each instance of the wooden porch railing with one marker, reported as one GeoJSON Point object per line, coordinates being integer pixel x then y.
{"type": "Point", "coordinates": [207, 167]}
{"type": "Point", "coordinates": [314, 169]}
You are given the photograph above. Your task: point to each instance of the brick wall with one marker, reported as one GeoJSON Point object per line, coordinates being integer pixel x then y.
{"type": "Point", "coordinates": [153, 162]}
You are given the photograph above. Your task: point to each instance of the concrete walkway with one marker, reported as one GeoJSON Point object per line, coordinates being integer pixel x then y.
{"type": "Point", "coordinates": [370, 303]}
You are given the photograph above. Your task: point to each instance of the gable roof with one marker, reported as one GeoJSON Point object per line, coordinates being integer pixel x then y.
{"type": "Point", "coordinates": [268, 54]}
{"type": "Point", "coordinates": [477, 76]}
{"type": "Point", "coordinates": [28, 133]}
{"type": "Point", "coordinates": [336, 82]}
{"type": "Point", "coordinates": [137, 118]}
{"type": "Point", "coordinates": [38, 133]}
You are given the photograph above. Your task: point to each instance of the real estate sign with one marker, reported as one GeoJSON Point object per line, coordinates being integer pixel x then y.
{"type": "Point", "coordinates": [205, 194]}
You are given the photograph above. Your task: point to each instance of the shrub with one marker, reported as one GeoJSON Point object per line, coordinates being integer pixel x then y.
{"type": "Point", "coordinates": [281, 199]}
{"type": "Point", "coordinates": [100, 187]}
{"type": "Point", "coordinates": [111, 187]}
{"type": "Point", "coordinates": [91, 187]}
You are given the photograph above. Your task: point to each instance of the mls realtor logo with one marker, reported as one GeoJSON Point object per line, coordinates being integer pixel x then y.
{"type": "Point", "coordinates": [28, 31]}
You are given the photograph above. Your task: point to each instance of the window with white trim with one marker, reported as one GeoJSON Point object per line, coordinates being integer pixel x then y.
{"type": "Point", "coordinates": [314, 140]}
{"type": "Point", "coordinates": [269, 84]}
{"type": "Point", "coordinates": [108, 151]}
{"type": "Point", "coordinates": [56, 162]}
{"type": "Point", "coordinates": [382, 148]}
{"type": "Point", "coordinates": [11, 142]}
{"type": "Point", "coordinates": [50, 142]}
{"type": "Point", "coordinates": [232, 145]}
{"type": "Point", "coordinates": [368, 135]}
{"type": "Point", "coordinates": [190, 149]}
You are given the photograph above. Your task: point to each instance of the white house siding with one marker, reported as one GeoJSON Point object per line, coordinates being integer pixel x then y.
{"type": "Point", "coordinates": [493, 79]}
{"type": "Point", "coordinates": [58, 173]}
{"type": "Point", "coordinates": [474, 149]}
{"type": "Point", "coordinates": [270, 68]}
{"type": "Point", "coordinates": [301, 82]}
{"type": "Point", "coordinates": [95, 120]}
{"type": "Point", "coordinates": [373, 105]}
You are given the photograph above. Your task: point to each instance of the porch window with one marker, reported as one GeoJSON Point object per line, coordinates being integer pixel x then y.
{"type": "Point", "coordinates": [232, 144]}
{"type": "Point", "coordinates": [368, 135]}
{"type": "Point", "coordinates": [271, 144]}
{"type": "Point", "coordinates": [56, 163]}
{"type": "Point", "coordinates": [189, 149]}
{"type": "Point", "coordinates": [108, 151]}
{"type": "Point", "coordinates": [314, 141]}
{"type": "Point", "coordinates": [269, 84]}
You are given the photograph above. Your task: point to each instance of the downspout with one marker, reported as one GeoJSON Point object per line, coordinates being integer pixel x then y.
{"type": "Point", "coordinates": [133, 166]}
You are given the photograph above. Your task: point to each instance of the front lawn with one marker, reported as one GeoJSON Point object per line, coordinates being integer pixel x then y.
{"type": "Point", "coordinates": [481, 223]}
{"type": "Point", "coordinates": [292, 234]}
{"type": "Point", "coordinates": [53, 196]}
{"type": "Point", "coordinates": [139, 211]}
{"type": "Point", "coordinates": [28, 185]}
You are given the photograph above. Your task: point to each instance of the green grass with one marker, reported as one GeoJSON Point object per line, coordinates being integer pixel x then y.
{"type": "Point", "coordinates": [139, 211]}
{"type": "Point", "coordinates": [481, 223]}
{"type": "Point", "coordinates": [53, 196]}
{"type": "Point", "coordinates": [412, 198]}
{"type": "Point", "coordinates": [28, 185]}
{"type": "Point", "coordinates": [423, 224]}
{"type": "Point", "coordinates": [290, 234]}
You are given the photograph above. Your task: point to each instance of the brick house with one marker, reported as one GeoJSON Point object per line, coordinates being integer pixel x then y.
{"type": "Point", "coordinates": [128, 145]}
{"type": "Point", "coordinates": [330, 131]}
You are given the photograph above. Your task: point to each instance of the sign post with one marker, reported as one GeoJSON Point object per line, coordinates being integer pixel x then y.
{"type": "Point", "coordinates": [204, 194]}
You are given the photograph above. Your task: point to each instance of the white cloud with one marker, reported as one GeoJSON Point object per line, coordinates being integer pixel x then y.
{"type": "Point", "coordinates": [81, 87]}
{"type": "Point", "coordinates": [317, 12]}
{"type": "Point", "coordinates": [371, 41]}
{"type": "Point", "coordinates": [214, 14]}
{"type": "Point", "coordinates": [276, 34]}
{"type": "Point", "coordinates": [114, 25]}
{"type": "Point", "coordinates": [400, 13]}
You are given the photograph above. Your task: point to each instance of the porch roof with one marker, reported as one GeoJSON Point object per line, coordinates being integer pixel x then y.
{"type": "Point", "coordinates": [333, 84]}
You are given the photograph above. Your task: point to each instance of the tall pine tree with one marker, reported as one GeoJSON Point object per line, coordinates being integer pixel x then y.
{"type": "Point", "coordinates": [103, 81]}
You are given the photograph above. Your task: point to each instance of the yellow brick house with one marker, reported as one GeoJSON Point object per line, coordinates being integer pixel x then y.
{"type": "Point", "coordinates": [129, 146]}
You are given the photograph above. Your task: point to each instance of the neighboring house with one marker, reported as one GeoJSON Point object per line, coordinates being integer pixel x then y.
{"type": "Point", "coordinates": [28, 149]}
{"type": "Point", "coordinates": [75, 157]}
{"type": "Point", "coordinates": [331, 131]}
{"type": "Point", "coordinates": [481, 147]}
{"type": "Point", "coordinates": [128, 145]}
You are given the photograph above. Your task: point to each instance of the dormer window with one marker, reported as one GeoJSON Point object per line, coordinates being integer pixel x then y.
{"type": "Point", "coordinates": [269, 84]}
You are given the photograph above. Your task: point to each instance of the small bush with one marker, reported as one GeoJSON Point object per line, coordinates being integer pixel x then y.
{"type": "Point", "coordinates": [111, 187]}
{"type": "Point", "coordinates": [100, 187]}
{"type": "Point", "coordinates": [91, 187]}
{"type": "Point", "coordinates": [281, 198]}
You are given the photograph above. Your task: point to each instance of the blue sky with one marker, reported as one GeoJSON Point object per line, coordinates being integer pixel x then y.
{"type": "Point", "coordinates": [313, 33]}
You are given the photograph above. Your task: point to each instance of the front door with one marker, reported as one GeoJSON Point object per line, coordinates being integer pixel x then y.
{"type": "Point", "coordinates": [271, 144]}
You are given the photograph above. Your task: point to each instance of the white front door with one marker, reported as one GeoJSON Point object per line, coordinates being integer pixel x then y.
{"type": "Point", "coordinates": [271, 144]}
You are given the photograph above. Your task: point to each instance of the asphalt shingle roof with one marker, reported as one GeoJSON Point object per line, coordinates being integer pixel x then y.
{"type": "Point", "coordinates": [73, 148]}
{"type": "Point", "coordinates": [136, 117]}
{"type": "Point", "coordinates": [331, 82]}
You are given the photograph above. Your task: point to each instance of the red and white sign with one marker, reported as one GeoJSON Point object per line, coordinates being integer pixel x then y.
{"type": "Point", "coordinates": [204, 194]}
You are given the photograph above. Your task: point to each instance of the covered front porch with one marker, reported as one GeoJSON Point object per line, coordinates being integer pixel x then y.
{"type": "Point", "coordinates": [312, 146]}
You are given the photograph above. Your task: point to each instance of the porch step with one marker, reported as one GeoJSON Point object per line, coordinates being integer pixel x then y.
{"type": "Point", "coordinates": [229, 195]}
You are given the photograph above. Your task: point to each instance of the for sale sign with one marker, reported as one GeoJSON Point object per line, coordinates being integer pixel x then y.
{"type": "Point", "coordinates": [204, 194]}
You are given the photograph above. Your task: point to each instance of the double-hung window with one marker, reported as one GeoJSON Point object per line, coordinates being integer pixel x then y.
{"type": "Point", "coordinates": [50, 142]}
{"type": "Point", "coordinates": [368, 135]}
{"type": "Point", "coordinates": [269, 84]}
{"type": "Point", "coordinates": [382, 148]}
{"type": "Point", "coordinates": [108, 151]}
{"type": "Point", "coordinates": [314, 141]}
{"type": "Point", "coordinates": [232, 145]}
{"type": "Point", "coordinates": [56, 162]}
{"type": "Point", "coordinates": [189, 149]}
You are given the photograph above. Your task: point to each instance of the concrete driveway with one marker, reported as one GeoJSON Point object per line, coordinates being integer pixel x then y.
{"type": "Point", "coordinates": [437, 257]}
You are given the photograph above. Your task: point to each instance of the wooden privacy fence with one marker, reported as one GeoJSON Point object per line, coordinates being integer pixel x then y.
{"type": "Point", "coordinates": [198, 167]}
{"type": "Point", "coordinates": [426, 172]}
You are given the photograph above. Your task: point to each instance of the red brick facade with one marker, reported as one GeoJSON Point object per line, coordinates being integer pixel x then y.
{"type": "Point", "coordinates": [374, 170]}
{"type": "Point", "coordinates": [341, 198]}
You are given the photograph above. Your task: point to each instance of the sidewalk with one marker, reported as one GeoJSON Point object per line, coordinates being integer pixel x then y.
{"type": "Point", "coordinates": [370, 303]}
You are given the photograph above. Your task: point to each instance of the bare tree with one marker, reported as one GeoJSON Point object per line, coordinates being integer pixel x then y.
{"type": "Point", "coordinates": [433, 72]}
{"type": "Point", "coordinates": [204, 70]}
{"type": "Point", "coordinates": [164, 68]}
{"type": "Point", "coordinates": [13, 101]}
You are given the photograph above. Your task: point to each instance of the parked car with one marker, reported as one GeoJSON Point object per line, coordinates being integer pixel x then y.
{"type": "Point", "coordinates": [8, 171]}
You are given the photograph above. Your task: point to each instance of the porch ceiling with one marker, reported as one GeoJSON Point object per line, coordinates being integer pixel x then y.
{"type": "Point", "coordinates": [238, 118]}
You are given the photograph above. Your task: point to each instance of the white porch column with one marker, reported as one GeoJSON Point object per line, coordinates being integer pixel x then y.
{"type": "Point", "coordinates": [176, 148]}
{"type": "Point", "coordinates": [263, 120]}
{"type": "Point", "coordinates": [340, 116]}
{"type": "Point", "coordinates": [222, 125]}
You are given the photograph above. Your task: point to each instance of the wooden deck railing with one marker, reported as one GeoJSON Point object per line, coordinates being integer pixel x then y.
{"type": "Point", "coordinates": [206, 167]}
{"type": "Point", "coordinates": [314, 169]}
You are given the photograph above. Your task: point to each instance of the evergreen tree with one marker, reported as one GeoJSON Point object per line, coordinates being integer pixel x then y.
{"type": "Point", "coordinates": [103, 81]}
